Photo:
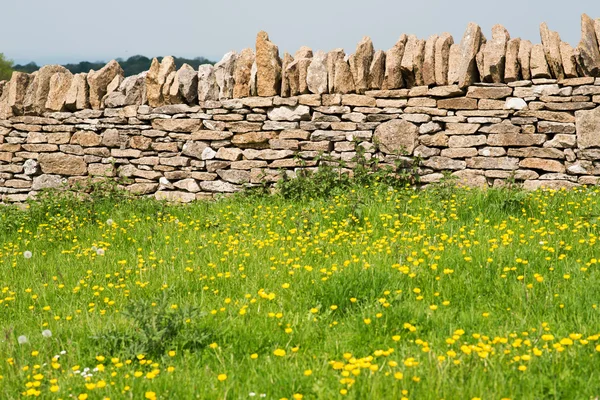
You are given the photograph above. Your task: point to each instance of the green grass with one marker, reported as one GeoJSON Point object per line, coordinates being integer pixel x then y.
{"type": "Point", "coordinates": [450, 290]}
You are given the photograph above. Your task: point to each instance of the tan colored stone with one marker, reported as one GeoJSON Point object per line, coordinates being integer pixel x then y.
{"type": "Point", "coordinates": [344, 81]}
{"type": "Point", "coordinates": [243, 73]}
{"type": "Point", "coordinates": [480, 61]}
{"type": "Point", "coordinates": [507, 163]}
{"type": "Point", "coordinates": [469, 46]}
{"type": "Point", "coordinates": [255, 140]}
{"type": "Point", "coordinates": [98, 82]}
{"type": "Point", "coordinates": [332, 58]}
{"type": "Point", "coordinates": [569, 61]}
{"type": "Point", "coordinates": [60, 83]}
{"type": "Point", "coordinates": [38, 89]}
{"type": "Point", "coordinates": [412, 62]}
{"type": "Point", "coordinates": [77, 97]}
{"type": "Point", "coordinates": [444, 163]}
{"type": "Point", "coordinates": [62, 164]}
{"type": "Point", "coordinates": [155, 80]}
{"type": "Point", "coordinates": [86, 139]}
{"type": "Point", "coordinates": [171, 90]}
{"type": "Point", "coordinates": [429, 61]}
{"type": "Point", "coordinates": [588, 128]}
{"type": "Point", "coordinates": [377, 71]}
{"type": "Point", "coordinates": [551, 42]}
{"type": "Point", "coordinates": [268, 64]}
{"type": "Point", "coordinates": [512, 70]}
{"type": "Point", "coordinates": [495, 55]}
{"type": "Point", "coordinates": [454, 64]}
{"type": "Point", "coordinates": [543, 164]}
{"type": "Point", "coordinates": [17, 87]}
{"type": "Point", "coordinates": [588, 52]}
{"type": "Point", "coordinates": [285, 79]}
{"type": "Point", "coordinates": [458, 103]}
{"type": "Point", "coordinates": [525, 48]}
{"type": "Point", "coordinates": [396, 136]}
{"type": "Point", "coordinates": [491, 92]}
{"type": "Point", "coordinates": [442, 58]}
{"type": "Point", "coordinates": [539, 65]}
{"type": "Point", "coordinates": [177, 125]}
{"type": "Point", "coordinates": [515, 139]}
{"type": "Point", "coordinates": [363, 59]}
{"type": "Point", "coordinates": [393, 58]}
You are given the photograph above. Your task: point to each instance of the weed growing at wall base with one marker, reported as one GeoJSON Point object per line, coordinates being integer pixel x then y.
{"type": "Point", "coordinates": [369, 292]}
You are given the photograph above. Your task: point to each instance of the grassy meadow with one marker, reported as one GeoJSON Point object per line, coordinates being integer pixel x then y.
{"type": "Point", "coordinates": [369, 293]}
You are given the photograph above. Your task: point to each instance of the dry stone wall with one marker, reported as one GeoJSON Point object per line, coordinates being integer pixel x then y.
{"type": "Point", "coordinates": [484, 110]}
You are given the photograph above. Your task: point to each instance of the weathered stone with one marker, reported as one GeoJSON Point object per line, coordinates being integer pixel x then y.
{"type": "Point", "coordinates": [62, 164]}
{"type": "Point", "coordinates": [363, 59]}
{"type": "Point", "coordinates": [458, 103]}
{"type": "Point", "coordinates": [430, 127]}
{"type": "Point", "coordinates": [194, 149]}
{"type": "Point", "coordinates": [554, 116]}
{"type": "Point", "coordinates": [412, 61]}
{"type": "Point", "coordinates": [98, 82]}
{"type": "Point", "coordinates": [492, 92]}
{"type": "Point", "coordinates": [459, 152]}
{"type": "Point", "coordinates": [588, 52]}
{"type": "Point", "coordinates": [454, 59]}
{"type": "Point", "coordinates": [507, 163]}
{"type": "Point", "coordinates": [550, 184]}
{"type": "Point", "coordinates": [177, 125]}
{"type": "Point", "coordinates": [48, 182]}
{"type": "Point", "coordinates": [539, 65]}
{"type": "Point", "coordinates": [536, 152]}
{"type": "Point", "coordinates": [437, 140]}
{"type": "Point", "coordinates": [357, 100]}
{"type": "Point", "coordinates": [495, 55]}
{"type": "Point", "coordinates": [243, 73]}
{"type": "Point", "coordinates": [286, 113]}
{"type": "Point", "coordinates": [187, 83]}
{"type": "Point", "coordinates": [512, 69]}
{"type": "Point", "coordinates": [393, 58]}
{"type": "Point", "coordinates": [17, 88]}
{"type": "Point", "coordinates": [444, 163]}
{"type": "Point", "coordinates": [461, 128]}
{"type": "Point", "coordinates": [467, 141]}
{"type": "Point", "coordinates": [344, 80]}
{"type": "Point", "coordinates": [588, 128]}
{"type": "Point", "coordinates": [396, 136]}
{"type": "Point", "coordinates": [39, 87]}
{"type": "Point", "coordinates": [175, 196]}
{"type": "Point", "coordinates": [316, 76]}
{"type": "Point", "coordinates": [268, 64]}
{"type": "Point", "coordinates": [224, 75]}
{"type": "Point", "coordinates": [219, 187]}
{"type": "Point", "coordinates": [469, 46]}
{"type": "Point", "coordinates": [551, 43]}
{"type": "Point", "coordinates": [562, 141]}
{"type": "Point", "coordinates": [471, 178]}
{"type": "Point", "coordinates": [515, 139]}
{"type": "Point", "coordinates": [543, 164]}
{"type": "Point", "coordinates": [60, 83]}
{"type": "Point", "coordinates": [525, 48]}
{"type": "Point", "coordinates": [208, 89]}
{"type": "Point", "coordinates": [285, 78]}
{"type": "Point", "coordinates": [156, 78]}
{"type": "Point", "coordinates": [332, 58]}
{"type": "Point", "coordinates": [429, 61]}
{"type": "Point", "coordinates": [442, 58]}
{"type": "Point", "coordinates": [445, 91]}
{"type": "Point", "coordinates": [253, 139]}
{"type": "Point", "coordinates": [86, 139]}
{"type": "Point", "coordinates": [377, 70]}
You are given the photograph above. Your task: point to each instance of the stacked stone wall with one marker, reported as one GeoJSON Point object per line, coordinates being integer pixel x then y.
{"type": "Point", "coordinates": [486, 111]}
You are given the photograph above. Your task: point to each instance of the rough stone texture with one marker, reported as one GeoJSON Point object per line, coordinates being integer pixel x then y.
{"type": "Point", "coordinates": [99, 81]}
{"type": "Point", "coordinates": [588, 128]}
{"type": "Point", "coordinates": [442, 58]}
{"type": "Point", "coordinates": [588, 52]}
{"type": "Point", "coordinates": [512, 68]}
{"type": "Point", "coordinates": [377, 70]}
{"type": "Point", "coordinates": [429, 61]}
{"type": "Point", "coordinates": [224, 71]}
{"type": "Point", "coordinates": [60, 83]}
{"type": "Point", "coordinates": [412, 62]}
{"type": "Point", "coordinates": [37, 91]}
{"type": "Point", "coordinates": [494, 55]}
{"type": "Point", "coordinates": [569, 60]}
{"type": "Point", "coordinates": [156, 78]}
{"type": "Point", "coordinates": [344, 80]}
{"type": "Point", "coordinates": [393, 59]}
{"type": "Point", "coordinates": [316, 76]}
{"type": "Point", "coordinates": [469, 47]}
{"type": "Point", "coordinates": [268, 64]}
{"type": "Point", "coordinates": [208, 90]}
{"type": "Point", "coordinates": [551, 42]}
{"type": "Point", "coordinates": [539, 65]}
{"type": "Point", "coordinates": [285, 78]}
{"type": "Point", "coordinates": [363, 59]}
{"type": "Point", "coordinates": [16, 91]}
{"type": "Point", "coordinates": [243, 73]}
{"type": "Point", "coordinates": [396, 136]}
{"type": "Point", "coordinates": [62, 164]}
{"type": "Point", "coordinates": [525, 48]}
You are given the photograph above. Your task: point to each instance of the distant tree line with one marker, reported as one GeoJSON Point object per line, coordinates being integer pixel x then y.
{"type": "Point", "coordinates": [132, 66]}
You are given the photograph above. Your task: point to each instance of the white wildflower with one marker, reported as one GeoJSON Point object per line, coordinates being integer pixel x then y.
{"type": "Point", "coordinates": [46, 333]}
{"type": "Point", "coordinates": [27, 254]}
{"type": "Point", "coordinates": [22, 339]}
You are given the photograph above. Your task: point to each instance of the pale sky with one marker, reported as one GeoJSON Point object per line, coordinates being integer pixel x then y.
{"type": "Point", "coordinates": [62, 31]}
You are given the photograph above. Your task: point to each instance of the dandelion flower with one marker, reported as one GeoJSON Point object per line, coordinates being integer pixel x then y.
{"type": "Point", "coordinates": [27, 254]}
{"type": "Point", "coordinates": [222, 377]}
{"type": "Point", "coordinates": [100, 252]}
{"type": "Point", "coordinates": [47, 333]}
{"type": "Point", "coordinates": [22, 339]}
